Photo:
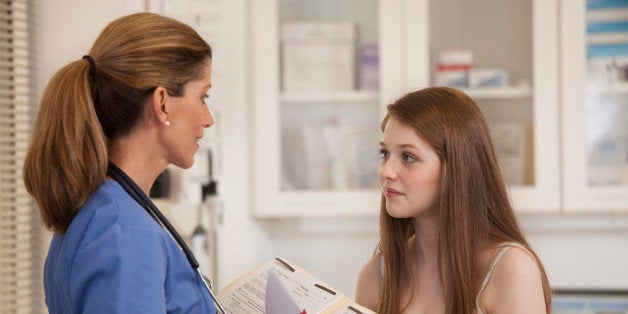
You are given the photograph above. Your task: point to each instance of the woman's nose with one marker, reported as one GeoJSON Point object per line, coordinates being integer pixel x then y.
{"type": "Point", "coordinates": [208, 120]}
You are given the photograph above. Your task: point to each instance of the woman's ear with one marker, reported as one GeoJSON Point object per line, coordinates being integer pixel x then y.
{"type": "Point", "coordinates": [159, 105]}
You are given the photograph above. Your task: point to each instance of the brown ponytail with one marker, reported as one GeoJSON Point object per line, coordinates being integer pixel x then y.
{"type": "Point", "coordinates": [67, 158]}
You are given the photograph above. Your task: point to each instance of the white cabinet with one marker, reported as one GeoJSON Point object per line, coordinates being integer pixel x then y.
{"type": "Point", "coordinates": [315, 136]}
{"type": "Point", "coordinates": [514, 43]}
{"type": "Point", "coordinates": [315, 145]}
{"type": "Point", "coordinates": [594, 71]}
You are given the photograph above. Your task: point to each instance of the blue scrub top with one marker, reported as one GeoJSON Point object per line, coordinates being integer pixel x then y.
{"type": "Point", "coordinates": [115, 258]}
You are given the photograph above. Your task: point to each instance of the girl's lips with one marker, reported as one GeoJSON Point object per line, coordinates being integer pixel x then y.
{"type": "Point", "coordinates": [392, 193]}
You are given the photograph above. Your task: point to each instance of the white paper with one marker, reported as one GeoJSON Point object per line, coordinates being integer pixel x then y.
{"type": "Point", "coordinates": [306, 291]}
{"type": "Point", "coordinates": [247, 298]}
{"type": "Point", "coordinates": [278, 299]}
{"type": "Point", "coordinates": [248, 294]}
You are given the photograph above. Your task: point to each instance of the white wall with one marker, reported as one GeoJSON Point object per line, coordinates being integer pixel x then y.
{"type": "Point", "coordinates": [590, 252]}
{"type": "Point", "coordinates": [67, 30]}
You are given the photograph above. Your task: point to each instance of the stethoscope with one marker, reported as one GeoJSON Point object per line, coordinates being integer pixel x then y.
{"type": "Point", "coordinates": [139, 196]}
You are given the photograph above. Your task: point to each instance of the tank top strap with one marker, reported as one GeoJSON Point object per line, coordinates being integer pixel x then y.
{"type": "Point", "coordinates": [496, 259]}
{"type": "Point", "coordinates": [381, 272]}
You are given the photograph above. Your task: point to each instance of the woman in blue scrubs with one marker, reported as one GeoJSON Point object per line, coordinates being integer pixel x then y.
{"type": "Point", "coordinates": [137, 101]}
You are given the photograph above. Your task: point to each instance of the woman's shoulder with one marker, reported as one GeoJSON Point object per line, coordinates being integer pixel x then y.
{"type": "Point", "coordinates": [110, 204]}
{"type": "Point", "coordinates": [367, 289]}
{"type": "Point", "coordinates": [515, 281]}
{"type": "Point", "coordinates": [110, 212]}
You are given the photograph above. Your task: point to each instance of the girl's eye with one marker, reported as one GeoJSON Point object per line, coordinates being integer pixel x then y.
{"type": "Point", "coordinates": [408, 158]}
{"type": "Point", "coordinates": [383, 154]}
{"type": "Point", "coordinates": [205, 98]}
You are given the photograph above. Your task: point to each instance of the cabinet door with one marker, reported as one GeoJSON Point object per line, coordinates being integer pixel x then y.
{"type": "Point", "coordinates": [504, 55]}
{"type": "Point", "coordinates": [595, 104]}
{"type": "Point", "coordinates": [321, 71]}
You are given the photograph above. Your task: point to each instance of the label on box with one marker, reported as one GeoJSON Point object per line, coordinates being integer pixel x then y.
{"type": "Point", "coordinates": [488, 77]}
{"type": "Point", "coordinates": [452, 78]}
{"type": "Point", "coordinates": [318, 67]}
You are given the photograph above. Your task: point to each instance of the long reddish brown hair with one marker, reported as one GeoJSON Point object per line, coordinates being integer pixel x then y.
{"type": "Point", "coordinates": [473, 205]}
{"type": "Point", "coordinates": [81, 112]}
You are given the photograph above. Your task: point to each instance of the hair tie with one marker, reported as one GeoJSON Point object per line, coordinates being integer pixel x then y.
{"type": "Point", "coordinates": [92, 65]}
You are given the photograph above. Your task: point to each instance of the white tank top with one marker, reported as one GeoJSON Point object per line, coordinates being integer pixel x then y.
{"type": "Point", "coordinates": [486, 278]}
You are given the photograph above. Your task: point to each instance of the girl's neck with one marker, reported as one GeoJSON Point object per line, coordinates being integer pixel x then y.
{"type": "Point", "coordinates": [425, 241]}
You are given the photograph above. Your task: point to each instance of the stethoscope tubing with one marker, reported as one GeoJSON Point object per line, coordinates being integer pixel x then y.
{"type": "Point", "coordinates": [139, 196]}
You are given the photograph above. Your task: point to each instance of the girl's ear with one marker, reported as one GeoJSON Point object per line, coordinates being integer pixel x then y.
{"type": "Point", "coordinates": [159, 105]}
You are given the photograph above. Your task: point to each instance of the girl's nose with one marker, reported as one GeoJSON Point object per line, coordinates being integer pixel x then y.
{"type": "Point", "coordinates": [387, 170]}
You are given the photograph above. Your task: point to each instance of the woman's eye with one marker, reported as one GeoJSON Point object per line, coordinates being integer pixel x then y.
{"type": "Point", "coordinates": [383, 154]}
{"type": "Point", "coordinates": [205, 98]}
{"type": "Point", "coordinates": [408, 158]}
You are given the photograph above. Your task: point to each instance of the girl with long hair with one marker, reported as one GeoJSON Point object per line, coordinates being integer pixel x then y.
{"type": "Point", "coordinates": [449, 239]}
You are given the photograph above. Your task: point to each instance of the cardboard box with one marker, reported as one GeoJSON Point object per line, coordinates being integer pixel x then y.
{"type": "Point", "coordinates": [318, 56]}
{"type": "Point", "coordinates": [453, 68]}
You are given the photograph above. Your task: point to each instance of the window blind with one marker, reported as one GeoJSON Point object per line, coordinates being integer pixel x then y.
{"type": "Point", "coordinates": [21, 231]}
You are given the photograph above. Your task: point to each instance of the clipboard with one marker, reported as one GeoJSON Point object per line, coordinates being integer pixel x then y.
{"type": "Point", "coordinates": [290, 284]}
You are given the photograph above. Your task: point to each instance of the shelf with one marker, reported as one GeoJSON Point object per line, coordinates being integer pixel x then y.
{"type": "Point", "coordinates": [608, 90]}
{"type": "Point", "coordinates": [608, 175]}
{"type": "Point", "coordinates": [607, 38]}
{"type": "Point", "coordinates": [327, 203]}
{"type": "Point", "coordinates": [330, 97]}
{"type": "Point", "coordinates": [607, 15]}
{"type": "Point", "coordinates": [523, 91]}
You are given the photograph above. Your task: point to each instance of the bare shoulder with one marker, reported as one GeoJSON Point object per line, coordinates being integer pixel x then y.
{"type": "Point", "coordinates": [515, 285]}
{"type": "Point", "coordinates": [367, 289]}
